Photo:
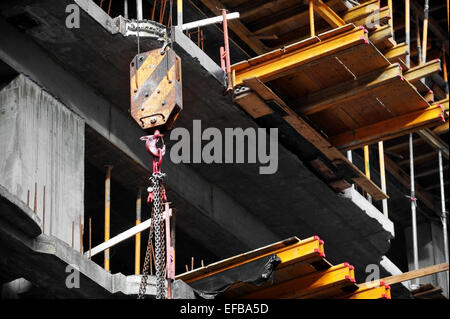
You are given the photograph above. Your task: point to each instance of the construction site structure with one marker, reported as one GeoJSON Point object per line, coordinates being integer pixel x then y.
{"type": "Point", "coordinates": [357, 92]}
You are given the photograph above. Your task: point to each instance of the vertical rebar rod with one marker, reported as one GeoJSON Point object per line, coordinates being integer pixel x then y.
{"type": "Point", "coordinates": [382, 176]}
{"type": "Point", "coordinates": [125, 9]}
{"type": "Point", "coordinates": [107, 213]}
{"type": "Point", "coordinates": [180, 13]}
{"type": "Point", "coordinates": [73, 231]}
{"type": "Point", "coordinates": [408, 32]}
{"type": "Point", "coordinates": [413, 205]}
{"type": "Point", "coordinates": [137, 252]}
{"type": "Point", "coordinates": [35, 199]}
{"type": "Point", "coordinates": [425, 31]}
{"type": "Point", "coordinates": [90, 238]}
{"type": "Point", "coordinates": [444, 213]}
{"type": "Point", "coordinates": [139, 10]}
{"type": "Point", "coordinates": [81, 235]}
{"type": "Point", "coordinates": [43, 211]}
{"type": "Point", "coordinates": [311, 18]}
{"type": "Point", "coordinates": [227, 49]}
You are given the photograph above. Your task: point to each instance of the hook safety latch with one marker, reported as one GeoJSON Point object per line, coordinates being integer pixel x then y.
{"type": "Point", "coordinates": [155, 151]}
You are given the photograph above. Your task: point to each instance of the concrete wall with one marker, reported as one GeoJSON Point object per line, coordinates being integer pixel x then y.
{"type": "Point", "coordinates": [42, 142]}
{"type": "Point", "coordinates": [431, 252]}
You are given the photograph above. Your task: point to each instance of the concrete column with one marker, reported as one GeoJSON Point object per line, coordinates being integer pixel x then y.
{"type": "Point", "coordinates": [42, 145]}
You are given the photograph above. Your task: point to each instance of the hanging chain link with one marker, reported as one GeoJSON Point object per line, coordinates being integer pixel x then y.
{"type": "Point", "coordinates": [157, 229]}
{"type": "Point", "coordinates": [143, 286]}
{"type": "Point", "coordinates": [160, 246]}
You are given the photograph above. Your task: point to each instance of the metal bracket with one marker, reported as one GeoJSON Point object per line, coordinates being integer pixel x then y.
{"type": "Point", "coordinates": [147, 28]}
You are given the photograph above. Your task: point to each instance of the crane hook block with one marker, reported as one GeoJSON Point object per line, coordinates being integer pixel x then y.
{"type": "Point", "coordinates": [156, 90]}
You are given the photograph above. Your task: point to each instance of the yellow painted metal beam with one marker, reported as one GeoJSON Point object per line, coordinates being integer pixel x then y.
{"type": "Point", "coordinates": [301, 251]}
{"type": "Point", "coordinates": [441, 129]}
{"type": "Point", "coordinates": [421, 71]}
{"type": "Point", "coordinates": [359, 12]}
{"type": "Point", "coordinates": [381, 292]}
{"type": "Point", "coordinates": [391, 128]}
{"type": "Point", "coordinates": [380, 34]}
{"type": "Point", "coordinates": [328, 14]}
{"type": "Point", "coordinates": [307, 285]}
{"type": "Point", "coordinates": [373, 20]}
{"type": "Point", "coordinates": [396, 52]}
{"type": "Point", "coordinates": [270, 69]}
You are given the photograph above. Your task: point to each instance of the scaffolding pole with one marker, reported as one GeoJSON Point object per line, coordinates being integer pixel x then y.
{"type": "Point", "coordinates": [125, 9]}
{"type": "Point", "coordinates": [137, 252]}
{"type": "Point", "coordinates": [180, 13]}
{"type": "Point", "coordinates": [425, 31]}
{"type": "Point", "coordinates": [311, 18]}
{"type": "Point", "coordinates": [107, 212]}
{"type": "Point", "coordinates": [413, 207]}
{"type": "Point", "coordinates": [382, 176]}
{"type": "Point", "coordinates": [444, 212]}
{"type": "Point", "coordinates": [139, 10]}
{"type": "Point", "coordinates": [408, 32]}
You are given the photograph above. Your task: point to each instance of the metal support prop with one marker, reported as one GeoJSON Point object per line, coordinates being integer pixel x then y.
{"type": "Point", "coordinates": [419, 46]}
{"type": "Point", "coordinates": [391, 13]}
{"type": "Point", "coordinates": [413, 205]}
{"type": "Point", "coordinates": [137, 252]}
{"type": "Point", "coordinates": [226, 50]}
{"type": "Point", "coordinates": [139, 10]}
{"type": "Point", "coordinates": [425, 31]}
{"type": "Point", "coordinates": [408, 32]}
{"type": "Point", "coordinates": [311, 18]}
{"type": "Point", "coordinates": [444, 212]}
{"type": "Point", "coordinates": [180, 13]}
{"type": "Point", "coordinates": [107, 212]}
{"type": "Point", "coordinates": [367, 167]}
{"type": "Point", "coordinates": [382, 175]}
{"type": "Point", "coordinates": [125, 9]}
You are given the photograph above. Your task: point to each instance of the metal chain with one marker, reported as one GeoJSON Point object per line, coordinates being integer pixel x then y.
{"type": "Point", "coordinates": [143, 286]}
{"type": "Point", "coordinates": [160, 264]}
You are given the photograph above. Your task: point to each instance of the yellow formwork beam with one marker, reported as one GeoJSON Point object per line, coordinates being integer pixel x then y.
{"type": "Point", "coordinates": [441, 129]}
{"type": "Point", "coordinates": [424, 70]}
{"type": "Point", "coordinates": [284, 64]}
{"type": "Point", "coordinates": [398, 51]}
{"type": "Point", "coordinates": [328, 14]}
{"type": "Point", "coordinates": [391, 128]}
{"type": "Point", "coordinates": [380, 34]}
{"type": "Point", "coordinates": [301, 251]}
{"type": "Point", "coordinates": [361, 11]}
{"type": "Point", "coordinates": [381, 292]}
{"type": "Point", "coordinates": [374, 19]}
{"type": "Point", "coordinates": [307, 285]}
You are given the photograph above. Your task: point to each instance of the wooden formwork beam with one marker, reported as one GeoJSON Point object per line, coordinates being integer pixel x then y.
{"type": "Point", "coordinates": [264, 93]}
{"type": "Point", "coordinates": [391, 128]}
{"type": "Point", "coordinates": [332, 96]}
{"type": "Point", "coordinates": [434, 140]}
{"type": "Point", "coordinates": [391, 280]}
{"type": "Point", "coordinates": [374, 19]}
{"type": "Point", "coordinates": [441, 129]}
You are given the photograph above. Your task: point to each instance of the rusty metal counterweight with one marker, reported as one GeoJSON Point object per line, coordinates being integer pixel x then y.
{"type": "Point", "coordinates": [156, 89]}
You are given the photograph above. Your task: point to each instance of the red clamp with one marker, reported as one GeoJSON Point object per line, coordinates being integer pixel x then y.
{"type": "Point", "coordinates": [442, 116]}
{"type": "Point", "coordinates": [156, 152]}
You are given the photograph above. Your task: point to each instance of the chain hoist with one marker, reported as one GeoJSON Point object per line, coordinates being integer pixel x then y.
{"type": "Point", "coordinates": [157, 198]}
